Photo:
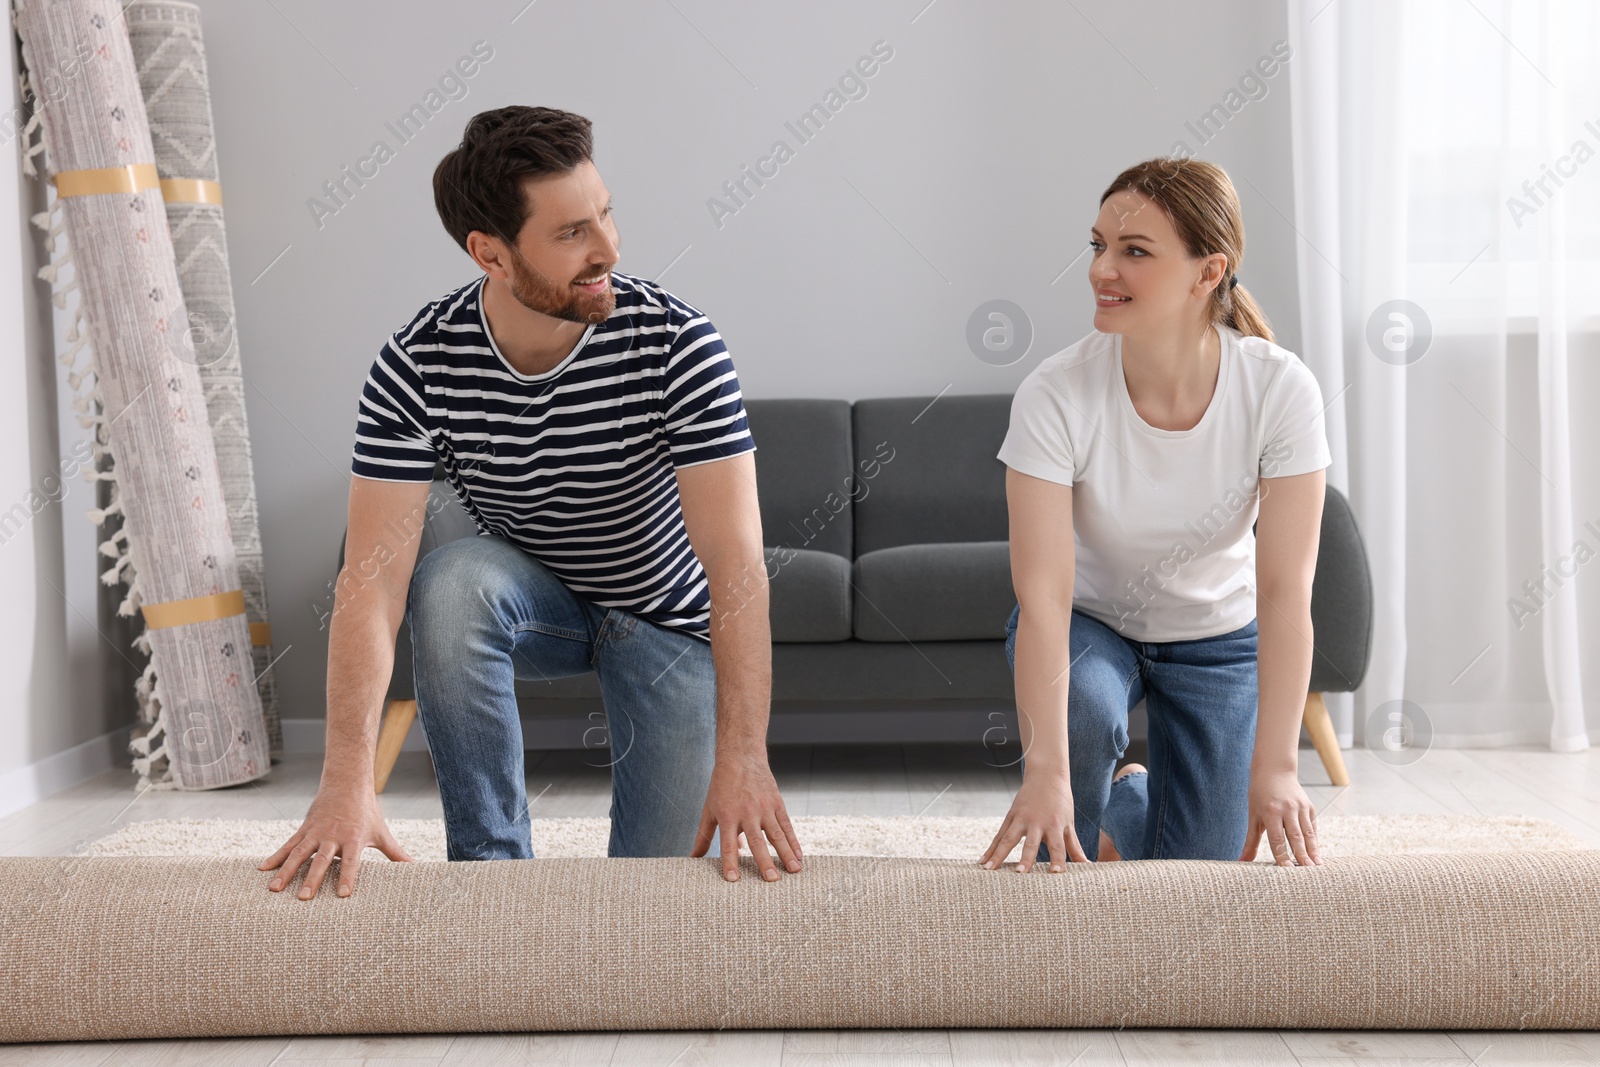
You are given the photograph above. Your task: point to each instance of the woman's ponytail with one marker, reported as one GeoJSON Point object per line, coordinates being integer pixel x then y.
{"type": "Point", "coordinates": [1240, 310]}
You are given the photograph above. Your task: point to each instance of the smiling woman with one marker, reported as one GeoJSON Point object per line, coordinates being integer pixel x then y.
{"type": "Point", "coordinates": [1139, 460]}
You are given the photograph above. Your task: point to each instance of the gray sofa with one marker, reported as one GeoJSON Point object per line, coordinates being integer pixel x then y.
{"type": "Point", "coordinates": [889, 576]}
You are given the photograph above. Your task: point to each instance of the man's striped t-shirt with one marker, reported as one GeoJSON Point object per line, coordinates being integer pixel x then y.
{"type": "Point", "coordinates": [575, 465]}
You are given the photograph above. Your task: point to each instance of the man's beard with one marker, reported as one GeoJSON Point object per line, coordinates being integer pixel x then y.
{"type": "Point", "coordinates": [535, 291]}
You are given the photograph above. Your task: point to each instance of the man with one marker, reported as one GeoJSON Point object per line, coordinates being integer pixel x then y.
{"type": "Point", "coordinates": [591, 424]}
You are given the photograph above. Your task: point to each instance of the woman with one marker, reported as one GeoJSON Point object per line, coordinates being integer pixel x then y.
{"type": "Point", "coordinates": [1137, 461]}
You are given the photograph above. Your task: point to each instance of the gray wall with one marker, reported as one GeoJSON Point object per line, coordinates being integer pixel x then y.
{"type": "Point", "coordinates": [969, 171]}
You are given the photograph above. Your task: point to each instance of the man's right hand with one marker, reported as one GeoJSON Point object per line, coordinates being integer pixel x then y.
{"type": "Point", "coordinates": [342, 822]}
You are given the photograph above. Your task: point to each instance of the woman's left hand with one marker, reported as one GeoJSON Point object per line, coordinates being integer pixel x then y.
{"type": "Point", "coordinates": [1281, 808]}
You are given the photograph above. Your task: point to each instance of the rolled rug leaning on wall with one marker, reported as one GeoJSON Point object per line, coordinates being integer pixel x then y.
{"type": "Point", "coordinates": [208, 729]}
{"type": "Point", "coordinates": [170, 57]}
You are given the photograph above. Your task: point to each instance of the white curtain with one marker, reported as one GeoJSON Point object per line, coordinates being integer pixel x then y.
{"type": "Point", "coordinates": [1447, 188]}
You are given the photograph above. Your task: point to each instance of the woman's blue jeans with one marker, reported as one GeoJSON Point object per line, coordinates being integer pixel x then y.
{"type": "Point", "coordinates": [1200, 697]}
{"type": "Point", "coordinates": [483, 613]}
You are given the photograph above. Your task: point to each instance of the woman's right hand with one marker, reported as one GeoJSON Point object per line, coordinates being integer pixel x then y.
{"type": "Point", "coordinates": [342, 821]}
{"type": "Point", "coordinates": [1040, 812]}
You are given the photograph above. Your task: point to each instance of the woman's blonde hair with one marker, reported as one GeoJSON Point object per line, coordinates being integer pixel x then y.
{"type": "Point", "coordinates": [1200, 201]}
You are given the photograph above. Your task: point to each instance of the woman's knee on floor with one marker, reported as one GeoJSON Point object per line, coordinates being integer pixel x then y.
{"type": "Point", "coordinates": [1097, 710]}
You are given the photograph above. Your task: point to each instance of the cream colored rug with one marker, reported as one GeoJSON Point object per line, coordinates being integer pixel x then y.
{"type": "Point", "coordinates": [943, 837]}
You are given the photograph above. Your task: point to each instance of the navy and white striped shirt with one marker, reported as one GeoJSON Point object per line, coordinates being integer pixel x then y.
{"type": "Point", "coordinates": [575, 465]}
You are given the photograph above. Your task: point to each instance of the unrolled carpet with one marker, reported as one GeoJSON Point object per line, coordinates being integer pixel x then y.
{"type": "Point", "coordinates": [1500, 940]}
{"type": "Point", "coordinates": [925, 836]}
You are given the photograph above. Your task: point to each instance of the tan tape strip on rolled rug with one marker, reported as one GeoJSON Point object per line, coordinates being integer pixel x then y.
{"type": "Point", "coordinates": [194, 609]}
{"type": "Point", "coordinates": [191, 191]}
{"type": "Point", "coordinates": [133, 178]}
{"type": "Point", "coordinates": [204, 609]}
{"type": "Point", "coordinates": [136, 177]}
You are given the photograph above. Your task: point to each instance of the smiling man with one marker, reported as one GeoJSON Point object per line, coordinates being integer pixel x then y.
{"type": "Point", "coordinates": [591, 424]}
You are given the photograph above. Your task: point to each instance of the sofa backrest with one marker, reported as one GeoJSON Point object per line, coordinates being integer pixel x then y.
{"type": "Point", "coordinates": [1341, 601]}
{"type": "Point", "coordinates": [937, 479]}
{"type": "Point", "coordinates": [804, 472]}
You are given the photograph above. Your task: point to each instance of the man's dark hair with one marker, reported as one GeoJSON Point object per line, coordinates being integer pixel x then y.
{"type": "Point", "coordinates": [478, 184]}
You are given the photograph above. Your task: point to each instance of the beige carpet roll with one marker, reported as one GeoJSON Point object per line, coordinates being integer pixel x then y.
{"type": "Point", "coordinates": [1500, 940]}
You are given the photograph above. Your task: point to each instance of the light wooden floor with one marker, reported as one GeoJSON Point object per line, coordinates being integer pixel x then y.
{"type": "Point", "coordinates": [831, 780]}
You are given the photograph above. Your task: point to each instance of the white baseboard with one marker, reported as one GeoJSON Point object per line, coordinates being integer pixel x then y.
{"type": "Point", "coordinates": [27, 785]}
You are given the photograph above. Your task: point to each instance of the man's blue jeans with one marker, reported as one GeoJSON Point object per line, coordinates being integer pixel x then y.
{"type": "Point", "coordinates": [482, 613]}
{"type": "Point", "coordinates": [1200, 696]}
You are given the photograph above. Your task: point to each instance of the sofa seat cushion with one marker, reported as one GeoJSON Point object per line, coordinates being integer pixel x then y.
{"type": "Point", "coordinates": [958, 591]}
{"type": "Point", "coordinates": [809, 594]}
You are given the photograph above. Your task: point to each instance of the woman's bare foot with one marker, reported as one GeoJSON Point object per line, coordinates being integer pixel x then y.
{"type": "Point", "coordinates": [1108, 851]}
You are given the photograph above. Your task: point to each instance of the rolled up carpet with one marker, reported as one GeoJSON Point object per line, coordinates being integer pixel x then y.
{"type": "Point", "coordinates": [1501, 940]}
{"type": "Point", "coordinates": [209, 729]}
{"type": "Point", "coordinates": [170, 56]}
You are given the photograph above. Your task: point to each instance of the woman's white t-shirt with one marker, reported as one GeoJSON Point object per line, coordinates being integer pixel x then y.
{"type": "Point", "coordinates": [1162, 519]}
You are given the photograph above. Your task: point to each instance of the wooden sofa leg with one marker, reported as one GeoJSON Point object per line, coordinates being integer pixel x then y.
{"type": "Point", "coordinates": [397, 718]}
{"type": "Point", "coordinates": [1320, 727]}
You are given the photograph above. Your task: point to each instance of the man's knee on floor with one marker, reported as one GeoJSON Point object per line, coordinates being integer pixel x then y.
{"type": "Point", "coordinates": [456, 574]}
